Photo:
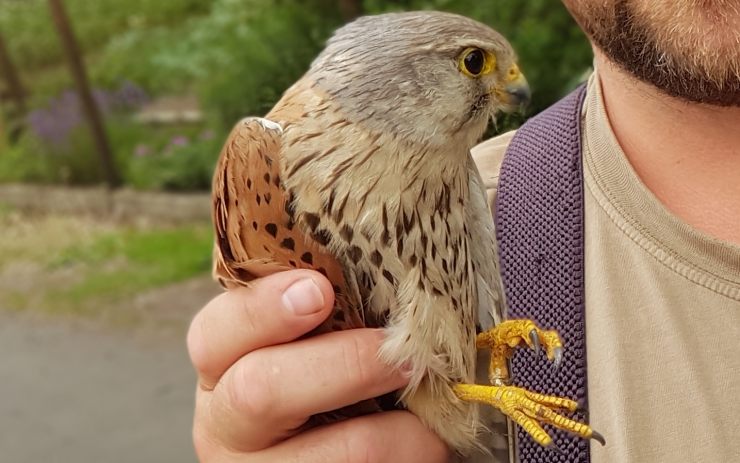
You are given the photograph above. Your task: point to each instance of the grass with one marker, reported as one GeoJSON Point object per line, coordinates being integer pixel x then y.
{"type": "Point", "coordinates": [125, 262]}
{"type": "Point", "coordinates": [77, 266]}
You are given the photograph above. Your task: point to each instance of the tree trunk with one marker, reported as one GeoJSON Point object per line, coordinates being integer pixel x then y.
{"type": "Point", "coordinates": [92, 112]}
{"type": "Point", "coordinates": [350, 9]}
{"type": "Point", "coordinates": [15, 92]}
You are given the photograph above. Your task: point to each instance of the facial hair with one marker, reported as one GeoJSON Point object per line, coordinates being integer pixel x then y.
{"type": "Point", "coordinates": [689, 49]}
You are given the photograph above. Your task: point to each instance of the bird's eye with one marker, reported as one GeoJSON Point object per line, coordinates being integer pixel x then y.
{"type": "Point", "coordinates": [475, 62]}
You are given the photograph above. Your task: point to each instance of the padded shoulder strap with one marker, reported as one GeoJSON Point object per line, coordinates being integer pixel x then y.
{"type": "Point", "coordinates": [539, 223]}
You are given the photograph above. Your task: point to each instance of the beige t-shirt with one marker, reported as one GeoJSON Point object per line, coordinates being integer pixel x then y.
{"type": "Point", "coordinates": [662, 313]}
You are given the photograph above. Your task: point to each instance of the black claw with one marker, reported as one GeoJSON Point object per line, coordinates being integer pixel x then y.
{"type": "Point", "coordinates": [557, 357]}
{"type": "Point", "coordinates": [535, 341]}
{"type": "Point", "coordinates": [598, 437]}
{"type": "Point", "coordinates": [554, 448]}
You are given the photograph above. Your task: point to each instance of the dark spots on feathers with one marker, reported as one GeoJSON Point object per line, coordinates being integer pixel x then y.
{"type": "Point", "coordinates": [376, 258]}
{"type": "Point", "coordinates": [254, 225]}
{"type": "Point", "coordinates": [267, 178]}
{"type": "Point", "coordinates": [312, 220]}
{"type": "Point", "coordinates": [339, 213]}
{"type": "Point", "coordinates": [249, 183]}
{"type": "Point", "coordinates": [408, 222]}
{"type": "Point", "coordinates": [288, 243]}
{"type": "Point", "coordinates": [329, 205]}
{"type": "Point", "coordinates": [346, 233]}
{"type": "Point", "coordinates": [321, 236]}
{"type": "Point", "coordinates": [301, 162]}
{"type": "Point", "coordinates": [385, 238]}
{"type": "Point", "coordinates": [289, 207]}
{"type": "Point", "coordinates": [388, 276]}
{"type": "Point", "coordinates": [354, 253]}
{"type": "Point", "coordinates": [307, 257]}
{"type": "Point", "coordinates": [271, 228]}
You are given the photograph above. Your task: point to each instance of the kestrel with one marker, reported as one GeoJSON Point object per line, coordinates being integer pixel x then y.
{"type": "Point", "coordinates": [362, 171]}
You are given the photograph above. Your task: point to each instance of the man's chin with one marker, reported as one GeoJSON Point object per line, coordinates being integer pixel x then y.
{"type": "Point", "coordinates": [699, 65]}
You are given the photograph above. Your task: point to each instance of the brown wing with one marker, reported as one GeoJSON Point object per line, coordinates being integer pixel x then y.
{"type": "Point", "coordinates": [255, 231]}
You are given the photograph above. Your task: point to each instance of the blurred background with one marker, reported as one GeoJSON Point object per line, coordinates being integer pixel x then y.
{"type": "Point", "coordinates": [112, 114]}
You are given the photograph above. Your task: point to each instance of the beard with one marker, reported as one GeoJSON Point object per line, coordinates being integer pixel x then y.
{"type": "Point", "coordinates": [689, 49]}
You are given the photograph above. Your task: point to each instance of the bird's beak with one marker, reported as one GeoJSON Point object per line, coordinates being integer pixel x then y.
{"type": "Point", "coordinates": [515, 92]}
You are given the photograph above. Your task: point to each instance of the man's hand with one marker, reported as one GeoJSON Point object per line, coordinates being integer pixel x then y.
{"type": "Point", "coordinates": [257, 384]}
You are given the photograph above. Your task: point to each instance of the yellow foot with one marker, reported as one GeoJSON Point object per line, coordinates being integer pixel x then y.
{"type": "Point", "coordinates": [529, 410]}
{"type": "Point", "coordinates": [508, 335]}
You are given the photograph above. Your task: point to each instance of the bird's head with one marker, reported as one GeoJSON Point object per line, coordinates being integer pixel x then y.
{"type": "Point", "coordinates": [434, 78]}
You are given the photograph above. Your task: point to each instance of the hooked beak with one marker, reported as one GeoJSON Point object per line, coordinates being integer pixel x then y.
{"type": "Point", "coordinates": [515, 93]}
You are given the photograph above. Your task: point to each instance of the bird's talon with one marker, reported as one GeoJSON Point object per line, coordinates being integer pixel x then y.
{"type": "Point", "coordinates": [598, 437]}
{"type": "Point", "coordinates": [557, 357]}
{"type": "Point", "coordinates": [535, 339]}
{"type": "Point", "coordinates": [553, 447]}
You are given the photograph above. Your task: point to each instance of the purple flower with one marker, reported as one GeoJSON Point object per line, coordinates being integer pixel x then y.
{"type": "Point", "coordinates": [130, 96]}
{"type": "Point", "coordinates": [207, 134]}
{"type": "Point", "coordinates": [142, 150]}
{"type": "Point", "coordinates": [179, 140]}
{"type": "Point", "coordinates": [53, 123]}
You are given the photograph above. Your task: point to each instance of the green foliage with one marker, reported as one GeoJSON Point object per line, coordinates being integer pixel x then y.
{"type": "Point", "coordinates": [256, 49]}
{"type": "Point", "coordinates": [176, 168]}
{"type": "Point", "coordinates": [32, 36]}
{"type": "Point", "coordinates": [20, 162]}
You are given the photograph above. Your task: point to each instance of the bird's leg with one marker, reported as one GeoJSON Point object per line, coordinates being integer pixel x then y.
{"type": "Point", "coordinates": [529, 409]}
{"type": "Point", "coordinates": [510, 334]}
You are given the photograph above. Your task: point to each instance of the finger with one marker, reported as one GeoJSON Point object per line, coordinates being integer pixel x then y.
{"type": "Point", "coordinates": [272, 391]}
{"type": "Point", "coordinates": [273, 310]}
{"type": "Point", "coordinates": [390, 437]}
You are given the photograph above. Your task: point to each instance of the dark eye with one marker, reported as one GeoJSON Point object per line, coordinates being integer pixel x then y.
{"type": "Point", "coordinates": [474, 61]}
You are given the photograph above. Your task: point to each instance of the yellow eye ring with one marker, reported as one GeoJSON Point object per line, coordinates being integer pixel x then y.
{"type": "Point", "coordinates": [475, 62]}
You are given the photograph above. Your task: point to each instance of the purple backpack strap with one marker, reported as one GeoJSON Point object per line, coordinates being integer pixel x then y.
{"type": "Point", "coordinates": [539, 226]}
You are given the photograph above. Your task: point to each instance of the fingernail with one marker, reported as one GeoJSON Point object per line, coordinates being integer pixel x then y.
{"type": "Point", "coordinates": [407, 368]}
{"type": "Point", "coordinates": [303, 297]}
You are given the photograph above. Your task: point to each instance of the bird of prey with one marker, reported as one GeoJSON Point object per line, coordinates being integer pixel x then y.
{"type": "Point", "coordinates": [362, 171]}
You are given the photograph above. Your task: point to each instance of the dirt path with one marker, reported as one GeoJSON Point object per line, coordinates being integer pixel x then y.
{"type": "Point", "coordinates": [76, 392]}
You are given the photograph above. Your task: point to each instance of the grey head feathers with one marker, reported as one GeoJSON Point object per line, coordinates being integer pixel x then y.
{"type": "Point", "coordinates": [399, 72]}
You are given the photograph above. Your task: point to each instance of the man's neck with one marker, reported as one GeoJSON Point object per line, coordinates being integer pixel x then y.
{"type": "Point", "coordinates": [687, 154]}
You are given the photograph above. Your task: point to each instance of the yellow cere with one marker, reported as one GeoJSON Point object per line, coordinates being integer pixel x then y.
{"type": "Point", "coordinates": [513, 73]}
